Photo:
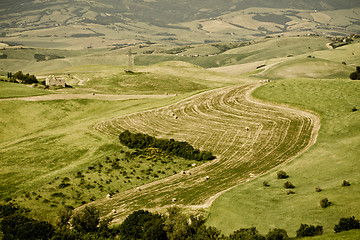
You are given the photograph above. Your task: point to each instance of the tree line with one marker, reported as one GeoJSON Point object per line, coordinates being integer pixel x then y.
{"type": "Point", "coordinates": [85, 224]}
{"type": "Point", "coordinates": [171, 147]}
{"type": "Point", "coordinates": [21, 77]}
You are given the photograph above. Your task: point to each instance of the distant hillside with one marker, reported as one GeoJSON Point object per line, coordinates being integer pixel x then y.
{"type": "Point", "coordinates": [108, 22]}
{"type": "Point", "coordinates": [164, 11]}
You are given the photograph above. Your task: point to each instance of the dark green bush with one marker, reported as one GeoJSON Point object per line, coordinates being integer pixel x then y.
{"type": "Point", "coordinates": [277, 234]}
{"type": "Point", "coordinates": [346, 224]}
{"type": "Point", "coordinates": [289, 192]}
{"type": "Point", "coordinates": [86, 220]}
{"type": "Point", "coordinates": [355, 75]}
{"type": "Point", "coordinates": [266, 184]}
{"type": "Point", "coordinates": [324, 203]}
{"type": "Point", "coordinates": [288, 184]}
{"type": "Point", "coordinates": [282, 174]}
{"type": "Point", "coordinates": [345, 183]}
{"type": "Point", "coordinates": [18, 226]}
{"type": "Point", "coordinates": [309, 230]}
{"type": "Point", "coordinates": [141, 224]}
{"type": "Point", "coordinates": [246, 233]}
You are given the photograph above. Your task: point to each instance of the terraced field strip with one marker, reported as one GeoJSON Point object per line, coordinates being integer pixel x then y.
{"type": "Point", "coordinates": [248, 137]}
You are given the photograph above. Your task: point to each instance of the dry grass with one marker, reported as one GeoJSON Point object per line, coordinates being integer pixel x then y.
{"type": "Point", "coordinates": [248, 138]}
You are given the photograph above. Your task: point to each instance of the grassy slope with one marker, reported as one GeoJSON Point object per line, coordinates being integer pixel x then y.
{"type": "Point", "coordinates": [308, 67]}
{"type": "Point", "coordinates": [43, 142]}
{"type": "Point", "coordinates": [279, 47]}
{"type": "Point", "coordinates": [263, 49]}
{"type": "Point", "coordinates": [8, 90]}
{"type": "Point", "coordinates": [330, 161]}
{"type": "Point", "coordinates": [336, 63]}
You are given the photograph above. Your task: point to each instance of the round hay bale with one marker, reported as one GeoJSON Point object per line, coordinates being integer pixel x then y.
{"type": "Point", "coordinates": [207, 177]}
{"type": "Point", "coordinates": [173, 199]}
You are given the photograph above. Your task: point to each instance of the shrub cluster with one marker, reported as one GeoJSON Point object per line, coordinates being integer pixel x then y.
{"type": "Point", "coordinates": [282, 174]}
{"type": "Point", "coordinates": [171, 147]}
{"type": "Point", "coordinates": [309, 230]}
{"type": "Point", "coordinates": [85, 224]}
{"type": "Point", "coordinates": [355, 75]}
{"type": "Point", "coordinates": [346, 224]}
{"type": "Point", "coordinates": [345, 183]}
{"type": "Point", "coordinates": [324, 203]}
{"type": "Point", "coordinates": [288, 184]}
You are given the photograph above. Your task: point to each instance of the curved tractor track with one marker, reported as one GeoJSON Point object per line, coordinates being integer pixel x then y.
{"type": "Point", "coordinates": [248, 137]}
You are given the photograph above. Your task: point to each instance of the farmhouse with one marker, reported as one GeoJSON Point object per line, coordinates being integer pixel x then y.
{"type": "Point", "coordinates": [55, 81]}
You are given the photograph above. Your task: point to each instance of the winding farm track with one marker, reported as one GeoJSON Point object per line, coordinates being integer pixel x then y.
{"type": "Point", "coordinates": [249, 137]}
{"type": "Point", "coordinates": [67, 96]}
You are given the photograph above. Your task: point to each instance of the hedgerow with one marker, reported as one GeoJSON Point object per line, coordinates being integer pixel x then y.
{"type": "Point", "coordinates": [171, 147]}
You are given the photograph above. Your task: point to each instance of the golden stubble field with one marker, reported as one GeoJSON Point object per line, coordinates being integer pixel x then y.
{"type": "Point", "coordinates": [248, 137]}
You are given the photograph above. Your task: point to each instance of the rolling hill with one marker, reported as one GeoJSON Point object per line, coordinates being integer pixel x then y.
{"type": "Point", "coordinates": [66, 24]}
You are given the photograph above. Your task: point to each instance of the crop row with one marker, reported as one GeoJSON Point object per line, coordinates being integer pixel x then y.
{"type": "Point", "coordinates": [248, 137]}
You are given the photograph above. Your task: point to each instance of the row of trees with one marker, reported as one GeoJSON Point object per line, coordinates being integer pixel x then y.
{"type": "Point", "coordinates": [171, 147]}
{"type": "Point", "coordinates": [24, 78]}
{"type": "Point", "coordinates": [86, 224]}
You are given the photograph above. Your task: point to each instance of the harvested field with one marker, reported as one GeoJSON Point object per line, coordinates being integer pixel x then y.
{"type": "Point", "coordinates": [248, 137]}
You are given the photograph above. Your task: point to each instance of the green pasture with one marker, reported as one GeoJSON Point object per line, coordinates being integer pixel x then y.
{"type": "Point", "coordinates": [349, 54]}
{"type": "Point", "coordinates": [331, 160]}
{"type": "Point", "coordinates": [348, 235]}
{"type": "Point", "coordinates": [279, 47]}
{"type": "Point", "coordinates": [308, 67]}
{"type": "Point", "coordinates": [44, 142]}
{"type": "Point", "coordinates": [163, 78]}
{"type": "Point", "coordinates": [9, 90]}
{"type": "Point", "coordinates": [260, 50]}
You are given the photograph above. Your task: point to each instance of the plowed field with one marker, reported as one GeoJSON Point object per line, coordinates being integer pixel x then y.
{"type": "Point", "coordinates": [248, 137]}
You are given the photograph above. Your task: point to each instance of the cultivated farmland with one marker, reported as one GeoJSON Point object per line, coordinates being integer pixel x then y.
{"type": "Point", "coordinates": [247, 136]}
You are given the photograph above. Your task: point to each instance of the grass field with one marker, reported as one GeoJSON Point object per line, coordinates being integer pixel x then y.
{"type": "Point", "coordinates": [330, 161]}
{"type": "Point", "coordinates": [308, 68]}
{"type": "Point", "coordinates": [259, 50]}
{"type": "Point", "coordinates": [45, 144]}
{"type": "Point", "coordinates": [9, 90]}
{"type": "Point", "coordinates": [54, 153]}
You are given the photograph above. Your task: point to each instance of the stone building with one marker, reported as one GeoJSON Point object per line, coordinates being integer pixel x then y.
{"type": "Point", "coordinates": [55, 81]}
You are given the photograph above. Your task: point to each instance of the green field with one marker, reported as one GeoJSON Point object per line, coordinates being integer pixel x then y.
{"type": "Point", "coordinates": [10, 90]}
{"type": "Point", "coordinates": [330, 161]}
{"type": "Point", "coordinates": [44, 142]}
{"type": "Point", "coordinates": [308, 68]}
{"type": "Point", "coordinates": [65, 153]}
